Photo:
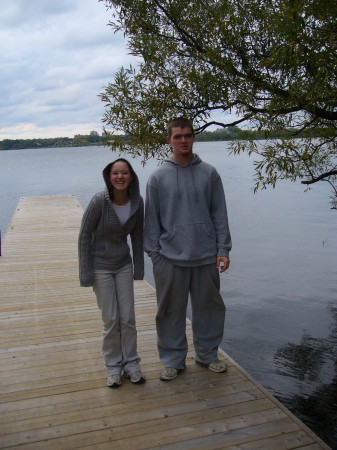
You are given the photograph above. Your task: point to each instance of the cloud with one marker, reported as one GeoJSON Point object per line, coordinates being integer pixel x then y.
{"type": "Point", "coordinates": [56, 57]}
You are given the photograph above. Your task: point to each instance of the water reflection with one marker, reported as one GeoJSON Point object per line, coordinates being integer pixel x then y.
{"type": "Point", "coordinates": [311, 361]}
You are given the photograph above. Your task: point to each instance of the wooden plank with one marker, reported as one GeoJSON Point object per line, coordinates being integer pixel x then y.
{"type": "Point", "coordinates": [52, 381]}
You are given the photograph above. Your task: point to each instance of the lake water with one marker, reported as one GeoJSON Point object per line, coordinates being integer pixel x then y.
{"type": "Point", "coordinates": [280, 290]}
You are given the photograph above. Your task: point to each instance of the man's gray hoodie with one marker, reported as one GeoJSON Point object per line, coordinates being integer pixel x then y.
{"type": "Point", "coordinates": [185, 214]}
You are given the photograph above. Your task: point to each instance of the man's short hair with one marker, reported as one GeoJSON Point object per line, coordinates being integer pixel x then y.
{"type": "Point", "coordinates": [181, 122]}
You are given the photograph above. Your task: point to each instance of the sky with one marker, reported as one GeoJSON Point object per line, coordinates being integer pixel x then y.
{"type": "Point", "coordinates": [56, 57]}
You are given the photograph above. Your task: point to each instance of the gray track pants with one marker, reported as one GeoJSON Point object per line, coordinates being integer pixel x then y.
{"type": "Point", "coordinates": [115, 299]}
{"type": "Point", "coordinates": [173, 285]}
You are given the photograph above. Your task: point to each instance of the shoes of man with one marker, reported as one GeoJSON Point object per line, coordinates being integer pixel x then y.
{"type": "Point", "coordinates": [215, 366]}
{"type": "Point", "coordinates": [114, 381]}
{"type": "Point", "coordinates": [136, 377]}
{"type": "Point", "coordinates": [168, 373]}
{"type": "Point", "coordinates": [218, 366]}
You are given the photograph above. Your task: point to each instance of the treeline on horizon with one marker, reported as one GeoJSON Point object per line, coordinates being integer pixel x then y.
{"type": "Point", "coordinates": [82, 140]}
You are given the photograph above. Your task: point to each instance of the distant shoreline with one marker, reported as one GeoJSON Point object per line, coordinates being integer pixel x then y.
{"type": "Point", "coordinates": [54, 147]}
{"type": "Point", "coordinates": [94, 139]}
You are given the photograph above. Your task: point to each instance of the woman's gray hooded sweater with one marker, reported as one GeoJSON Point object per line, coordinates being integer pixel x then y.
{"type": "Point", "coordinates": [102, 242]}
{"type": "Point", "coordinates": [185, 214]}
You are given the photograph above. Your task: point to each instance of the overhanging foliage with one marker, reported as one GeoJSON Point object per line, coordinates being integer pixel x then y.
{"type": "Point", "coordinates": [270, 62]}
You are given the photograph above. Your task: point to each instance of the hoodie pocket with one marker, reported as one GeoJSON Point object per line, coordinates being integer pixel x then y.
{"type": "Point", "coordinates": [190, 241]}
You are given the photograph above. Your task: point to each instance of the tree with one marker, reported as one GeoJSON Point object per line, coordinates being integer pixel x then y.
{"type": "Point", "coordinates": [93, 137]}
{"type": "Point", "coordinates": [271, 62]}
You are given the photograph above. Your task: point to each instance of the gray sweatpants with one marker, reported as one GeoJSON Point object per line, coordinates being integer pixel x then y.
{"type": "Point", "coordinates": [115, 299]}
{"type": "Point", "coordinates": [173, 285]}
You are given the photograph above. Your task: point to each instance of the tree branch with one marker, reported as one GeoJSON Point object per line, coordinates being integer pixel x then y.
{"type": "Point", "coordinates": [321, 177]}
{"type": "Point", "coordinates": [223, 125]}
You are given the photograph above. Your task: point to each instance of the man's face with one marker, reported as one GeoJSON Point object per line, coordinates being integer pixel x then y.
{"type": "Point", "coordinates": [181, 140]}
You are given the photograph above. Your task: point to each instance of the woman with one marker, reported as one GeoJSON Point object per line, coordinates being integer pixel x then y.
{"type": "Point", "coordinates": [106, 264]}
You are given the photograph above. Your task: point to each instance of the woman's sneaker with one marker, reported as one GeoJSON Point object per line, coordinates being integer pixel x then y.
{"type": "Point", "coordinates": [136, 377]}
{"type": "Point", "coordinates": [114, 381]}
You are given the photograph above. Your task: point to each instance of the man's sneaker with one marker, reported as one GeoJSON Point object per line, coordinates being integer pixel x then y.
{"type": "Point", "coordinates": [215, 366]}
{"type": "Point", "coordinates": [114, 381]}
{"type": "Point", "coordinates": [218, 366]}
{"type": "Point", "coordinates": [136, 377]}
{"type": "Point", "coordinates": [168, 373]}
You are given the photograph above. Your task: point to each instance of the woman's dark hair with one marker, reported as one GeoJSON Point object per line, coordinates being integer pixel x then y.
{"type": "Point", "coordinates": [127, 163]}
{"type": "Point", "coordinates": [106, 174]}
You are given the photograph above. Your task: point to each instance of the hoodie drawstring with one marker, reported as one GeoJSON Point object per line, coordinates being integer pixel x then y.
{"type": "Point", "coordinates": [190, 168]}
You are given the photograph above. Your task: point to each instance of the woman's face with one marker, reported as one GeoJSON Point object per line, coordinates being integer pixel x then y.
{"type": "Point", "coordinates": [120, 176]}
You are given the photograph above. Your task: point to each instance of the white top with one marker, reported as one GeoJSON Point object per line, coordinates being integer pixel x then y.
{"type": "Point", "coordinates": [123, 212]}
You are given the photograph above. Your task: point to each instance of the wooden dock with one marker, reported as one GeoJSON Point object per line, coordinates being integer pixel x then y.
{"type": "Point", "coordinates": [53, 392]}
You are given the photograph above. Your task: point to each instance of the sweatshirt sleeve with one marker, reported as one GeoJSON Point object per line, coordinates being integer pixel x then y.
{"type": "Point", "coordinates": [152, 228]}
{"type": "Point", "coordinates": [219, 217]}
{"type": "Point", "coordinates": [137, 243]}
{"type": "Point", "coordinates": [85, 251]}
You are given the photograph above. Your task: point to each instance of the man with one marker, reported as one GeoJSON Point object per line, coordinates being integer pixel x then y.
{"type": "Point", "coordinates": [188, 239]}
